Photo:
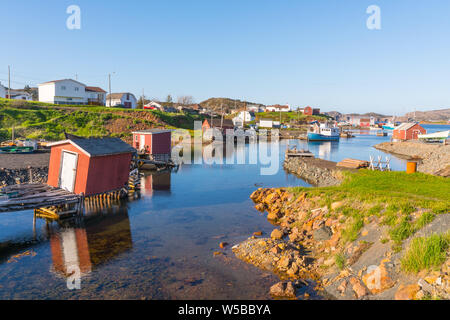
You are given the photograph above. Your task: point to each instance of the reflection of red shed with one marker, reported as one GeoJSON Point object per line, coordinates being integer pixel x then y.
{"type": "Point", "coordinates": [155, 142]}
{"type": "Point", "coordinates": [364, 122]}
{"type": "Point", "coordinates": [90, 166]}
{"type": "Point", "coordinates": [408, 131]}
{"type": "Point", "coordinates": [308, 111]}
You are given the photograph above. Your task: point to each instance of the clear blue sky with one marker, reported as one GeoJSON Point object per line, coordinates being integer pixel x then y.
{"type": "Point", "coordinates": [302, 52]}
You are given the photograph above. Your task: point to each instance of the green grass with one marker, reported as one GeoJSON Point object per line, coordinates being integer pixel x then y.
{"type": "Point", "coordinates": [426, 253]}
{"type": "Point", "coordinates": [288, 116]}
{"type": "Point", "coordinates": [391, 196]}
{"type": "Point", "coordinates": [351, 232]}
{"type": "Point", "coordinates": [38, 120]}
{"type": "Point", "coordinates": [340, 261]}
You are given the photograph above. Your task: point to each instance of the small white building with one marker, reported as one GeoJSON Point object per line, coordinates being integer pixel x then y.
{"type": "Point", "coordinates": [21, 95]}
{"type": "Point", "coordinates": [96, 96]}
{"type": "Point", "coordinates": [2, 91]}
{"type": "Point", "coordinates": [153, 105]}
{"type": "Point", "coordinates": [238, 122]}
{"type": "Point", "coordinates": [125, 99]}
{"type": "Point", "coordinates": [66, 91]}
{"type": "Point", "coordinates": [265, 123]}
{"type": "Point", "coordinates": [246, 115]}
{"type": "Point", "coordinates": [278, 108]}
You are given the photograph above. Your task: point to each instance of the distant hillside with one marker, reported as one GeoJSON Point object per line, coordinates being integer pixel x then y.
{"type": "Point", "coordinates": [227, 104]}
{"type": "Point", "coordinates": [434, 115]}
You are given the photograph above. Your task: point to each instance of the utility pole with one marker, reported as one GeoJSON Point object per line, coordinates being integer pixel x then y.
{"type": "Point", "coordinates": [221, 112]}
{"type": "Point", "coordinates": [143, 98]}
{"type": "Point", "coordinates": [110, 97]}
{"type": "Point", "coordinates": [245, 113]}
{"type": "Point", "coordinates": [9, 82]}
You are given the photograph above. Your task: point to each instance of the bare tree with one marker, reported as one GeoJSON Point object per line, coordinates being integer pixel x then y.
{"type": "Point", "coordinates": [185, 100]}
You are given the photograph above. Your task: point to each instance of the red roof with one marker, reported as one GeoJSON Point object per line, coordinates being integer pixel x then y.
{"type": "Point", "coordinates": [95, 89]}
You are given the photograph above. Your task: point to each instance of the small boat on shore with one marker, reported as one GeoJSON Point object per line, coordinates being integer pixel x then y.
{"type": "Point", "coordinates": [15, 150]}
{"type": "Point", "coordinates": [435, 137]}
{"type": "Point", "coordinates": [389, 126]}
{"type": "Point", "coordinates": [323, 132]}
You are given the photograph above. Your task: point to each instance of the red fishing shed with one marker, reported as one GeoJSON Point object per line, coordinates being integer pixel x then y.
{"type": "Point", "coordinates": [90, 166]}
{"type": "Point", "coordinates": [155, 142]}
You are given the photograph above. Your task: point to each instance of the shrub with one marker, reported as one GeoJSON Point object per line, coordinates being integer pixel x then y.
{"type": "Point", "coordinates": [426, 252]}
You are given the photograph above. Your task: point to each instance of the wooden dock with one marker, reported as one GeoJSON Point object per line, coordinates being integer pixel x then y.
{"type": "Point", "coordinates": [33, 196]}
{"type": "Point", "coordinates": [353, 164]}
{"type": "Point", "coordinates": [294, 153]}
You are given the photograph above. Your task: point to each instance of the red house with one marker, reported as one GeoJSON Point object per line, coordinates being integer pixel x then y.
{"type": "Point", "coordinates": [154, 142]}
{"type": "Point", "coordinates": [308, 111]}
{"type": "Point", "coordinates": [408, 131]}
{"type": "Point", "coordinates": [90, 166]}
{"type": "Point", "coordinates": [217, 123]}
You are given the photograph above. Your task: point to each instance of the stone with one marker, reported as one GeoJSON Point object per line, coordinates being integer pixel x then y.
{"type": "Point", "coordinates": [257, 233]}
{"type": "Point", "coordinates": [272, 216]}
{"type": "Point", "coordinates": [275, 250]}
{"type": "Point", "coordinates": [329, 262]}
{"type": "Point", "coordinates": [342, 287]}
{"type": "Point", "coordinates": [282, 290]}
{"type": "Point", "coordinates": [377, 279]}
{"type": "Point", "coordinates": [293, 269]}
{"type": "Point", "coordinates": [284, 262]}
{"type": "Point", "coordinates": [425, 286]}
{"type": "Point", "coordinates": [337, 205]}
{"type": "Point", "coordinates": [407, 292]}
{"type": "Point", "coordinates": [260, 207]}
{"type": "Point", "coordinates": [276, 234]}
{"type": "Point", "coordinates": [222, 245]}
{"type": "Point", "coordinates": [323, 233]}
{"type": "Point", "coordinates": [358, 288]}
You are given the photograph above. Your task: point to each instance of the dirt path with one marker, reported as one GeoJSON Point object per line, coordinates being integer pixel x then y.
{"type": "Point", "coordinates": [435, 158]}
{"type": "Point", "coordinates": [22, 161]}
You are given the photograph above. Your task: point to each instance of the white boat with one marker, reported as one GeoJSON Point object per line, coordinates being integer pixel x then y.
{"type": "Point", "coordinates": [323, 132]}
{"type": "Point", "coordinates": [436, 136]}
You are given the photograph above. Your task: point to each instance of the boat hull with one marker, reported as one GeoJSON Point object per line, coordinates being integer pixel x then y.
{"type": "Point", "coordinates": [320, 137]}
{"type": "Point", "coordinates": [388, 128]}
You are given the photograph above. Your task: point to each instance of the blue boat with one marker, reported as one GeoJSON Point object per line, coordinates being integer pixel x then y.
{"type": "Point", "coordinates": [323, 132]}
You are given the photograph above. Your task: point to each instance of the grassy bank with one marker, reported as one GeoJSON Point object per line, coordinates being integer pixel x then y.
{"type": "Point", "coordinates": [37, 120]}
{"type": "Point", "coordinates": [405, 203]}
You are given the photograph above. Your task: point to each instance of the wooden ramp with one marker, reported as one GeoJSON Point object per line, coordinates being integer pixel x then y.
{"type": "Point", "coordinates": [32, 196]}
{"type": "Point", "coordinates": [353, 164]}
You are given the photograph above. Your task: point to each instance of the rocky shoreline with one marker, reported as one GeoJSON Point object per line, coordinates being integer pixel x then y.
{"type": "Point", "coordinates": [29, 175]}
{"type": "Point", "coordinates": [308, 244]}
{"type": "Point", "coordinates": [315, 171]}
{"type": "Point", "coordinates": [432, 158]}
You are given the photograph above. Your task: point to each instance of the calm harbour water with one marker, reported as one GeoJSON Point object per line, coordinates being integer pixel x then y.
{"type": "Point", "coordinates": [159, 246]}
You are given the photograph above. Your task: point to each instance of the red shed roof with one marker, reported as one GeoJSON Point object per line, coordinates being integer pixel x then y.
{"type": "Point", "coordinates": [95, 147]}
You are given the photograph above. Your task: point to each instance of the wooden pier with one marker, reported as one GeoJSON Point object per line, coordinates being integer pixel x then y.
{"type": "Point", "coordinates": [33, 196]}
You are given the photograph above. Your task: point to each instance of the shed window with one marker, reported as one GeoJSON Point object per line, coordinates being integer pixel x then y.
{"type": "Point", "coordinates": [136, 138]}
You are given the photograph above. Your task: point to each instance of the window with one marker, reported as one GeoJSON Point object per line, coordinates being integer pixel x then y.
{"type": "Point", "coordinates": [136, 138]}
{"type": "Point", "coordinates": [77, 89]}
{"type": "Point", "coordinates": [63, 87]}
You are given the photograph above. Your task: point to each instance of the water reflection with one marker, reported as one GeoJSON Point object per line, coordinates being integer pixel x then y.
{"type": "Point", "coordinates": [90, 241]}
{"type": "Point", "coordinates": [158, 181]}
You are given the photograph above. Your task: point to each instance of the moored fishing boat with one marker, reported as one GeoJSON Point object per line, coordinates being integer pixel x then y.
{"type": "Point", "coordinates": [15, 149]}
{"type": "Point", "coordinates": [323, 132]}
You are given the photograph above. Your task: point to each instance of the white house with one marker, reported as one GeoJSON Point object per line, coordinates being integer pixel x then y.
{"type": "Point", "coordinates": [153, 105]}
{"type": "Point", "coordinates": [278, 108]}
{"type": "Point", "coordinates": [21, 95]}
{"type": "Point", "coordinates": [96, 96]}
{"type": "Point", "coordinates": [125, 99]}
{"type": "Point", "coordinates": [265, 123]}
{"type": "Point", "coordinates": [66, 91]}
{"type": "Point", "coordinates": [246, 115]}
{"type": "Point", "coordinates": [2, 91]}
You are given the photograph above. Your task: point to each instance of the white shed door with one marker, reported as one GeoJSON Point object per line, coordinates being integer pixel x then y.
{"type": "Point", "coordinates": [68, 171]}
{"type": "Point", "coordinates": [142, 143]}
